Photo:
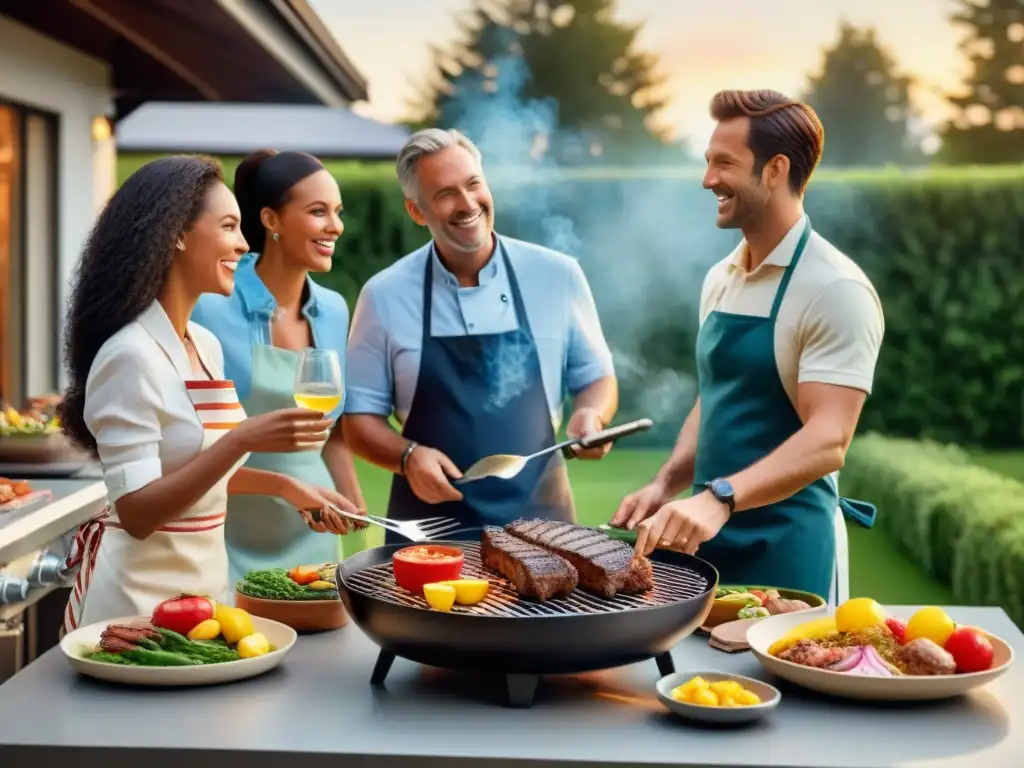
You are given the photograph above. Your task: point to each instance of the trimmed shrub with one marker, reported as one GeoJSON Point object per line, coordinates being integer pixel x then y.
{"type": "Point", "coordinates": [962, 523]}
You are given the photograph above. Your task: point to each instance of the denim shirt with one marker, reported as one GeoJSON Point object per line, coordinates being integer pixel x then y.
{"type": "Point", "coordinates": [242, 321]}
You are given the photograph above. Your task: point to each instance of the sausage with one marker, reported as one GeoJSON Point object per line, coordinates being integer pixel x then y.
{"type": "Point", "coordinates": [926, 657]}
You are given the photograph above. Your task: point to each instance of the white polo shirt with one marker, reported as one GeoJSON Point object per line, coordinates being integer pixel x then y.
{"type": "Point", "coordinates": [830, 324]}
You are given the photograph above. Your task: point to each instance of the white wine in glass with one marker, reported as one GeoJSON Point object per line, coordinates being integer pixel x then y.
{"type": "Point", "coordinates": [318, 380]}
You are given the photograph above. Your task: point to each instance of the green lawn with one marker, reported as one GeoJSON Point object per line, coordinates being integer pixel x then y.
{"type": "Point", "coordinates": [877, 568]}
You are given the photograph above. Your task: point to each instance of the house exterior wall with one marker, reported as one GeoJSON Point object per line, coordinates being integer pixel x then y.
{"type": "Point", "coordinates": [49, 78]}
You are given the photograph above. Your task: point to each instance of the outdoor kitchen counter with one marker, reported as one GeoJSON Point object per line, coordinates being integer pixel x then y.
{"type": "Point", "coordinates": [75, 500]}
{"type": "Point", "coordinates": [319, 709]}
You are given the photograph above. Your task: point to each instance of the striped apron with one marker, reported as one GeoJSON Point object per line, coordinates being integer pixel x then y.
{"type": "Point", "coordinates": [120, 576]}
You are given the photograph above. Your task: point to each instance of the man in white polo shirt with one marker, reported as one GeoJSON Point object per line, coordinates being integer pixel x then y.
{"type": "Point", "coordinates": [790, 330]}
{"type": "Point", "coordinates": [472, 343]}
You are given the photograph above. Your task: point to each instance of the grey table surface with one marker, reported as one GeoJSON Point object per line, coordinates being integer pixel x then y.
{"type": "Point", "coordinates": [319, 708]}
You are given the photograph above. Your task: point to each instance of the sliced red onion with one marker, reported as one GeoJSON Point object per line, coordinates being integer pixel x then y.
{"type": "Point", "coordinates": [849, 662]}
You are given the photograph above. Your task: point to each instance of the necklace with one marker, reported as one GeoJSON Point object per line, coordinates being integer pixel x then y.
{"type": "Point", "coordinates": [277, 314]}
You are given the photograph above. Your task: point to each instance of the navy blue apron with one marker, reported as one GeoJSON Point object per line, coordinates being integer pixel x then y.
{"type": "Point", "coordinates": [745, 414]}
{"type": "Point", "coordinates": [476, 396]}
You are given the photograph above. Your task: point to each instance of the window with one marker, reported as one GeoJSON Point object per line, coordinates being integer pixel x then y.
{"type": "Point", "coordinates": [10, 218]}
{"type": "Point", "coordinates": [29, 348]}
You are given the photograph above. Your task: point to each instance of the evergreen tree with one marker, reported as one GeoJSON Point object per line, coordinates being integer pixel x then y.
{"type": "Point", "coordinates": [988, 122]}
{"type": "Point", "coordinates": [566, 76]}
{"type": "Point", "coordinates": [863, 102]}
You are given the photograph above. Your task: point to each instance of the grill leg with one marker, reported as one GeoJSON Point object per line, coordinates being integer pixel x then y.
{"type": "Point", "coordinates": [666, 666]}
{"type": "Point", "coordinates": [380, 670]}
{"type": "Point", "coordinates": [521, 689]}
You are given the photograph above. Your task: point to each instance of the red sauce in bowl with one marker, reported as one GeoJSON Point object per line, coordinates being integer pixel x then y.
{"type": "Point", "coordinates": [424, 564]}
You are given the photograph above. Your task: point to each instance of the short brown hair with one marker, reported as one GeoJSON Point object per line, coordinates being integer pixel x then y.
{"type": "Point", "coordinates": [779, 125]}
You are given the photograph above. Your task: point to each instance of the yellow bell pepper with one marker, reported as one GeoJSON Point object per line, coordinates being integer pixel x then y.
{"type": "Point", "coordinates": [253, 645]}
{"type": "Point", "coordinates": [205, 630]}
{"type": "Point", "coordinates": [235, 624]}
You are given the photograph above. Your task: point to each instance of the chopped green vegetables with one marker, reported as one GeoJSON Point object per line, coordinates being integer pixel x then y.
{"type": "Point", "coordinates": [275, 584]}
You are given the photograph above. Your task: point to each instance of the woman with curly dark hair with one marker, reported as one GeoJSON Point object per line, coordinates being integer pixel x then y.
{"type": "Point", "coordinates": [147, 397]}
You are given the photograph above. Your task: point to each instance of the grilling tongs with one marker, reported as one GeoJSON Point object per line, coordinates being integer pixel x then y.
{"type": "Point", "coordinates": [507, 466]}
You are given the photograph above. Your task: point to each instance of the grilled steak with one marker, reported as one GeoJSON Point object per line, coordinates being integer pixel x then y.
{"type": "Point", "coordinates": [536, 573]}
{"type": "Point", "coordinates": [605, 565]}
{"type": "Point", "coordinates": [640, 578]}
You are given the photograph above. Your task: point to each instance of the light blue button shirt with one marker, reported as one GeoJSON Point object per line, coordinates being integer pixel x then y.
{"type": "Point", "coordinates": [242, 320]}
{"type": "Point", "coordinates": [387, 324]}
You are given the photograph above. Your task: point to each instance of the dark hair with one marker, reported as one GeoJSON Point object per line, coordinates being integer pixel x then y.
{"type": "Point", "coordinates": [263, 180]}
{"type": "Point", "coordinates": [124, 266]}
{"type": "Point", "coordinates": [779, 125]}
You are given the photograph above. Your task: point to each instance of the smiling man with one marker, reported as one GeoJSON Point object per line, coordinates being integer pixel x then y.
{"type": "Point", "coordinates": [471, 343]}
{"type": "Point", "coordinates": [790, 330]}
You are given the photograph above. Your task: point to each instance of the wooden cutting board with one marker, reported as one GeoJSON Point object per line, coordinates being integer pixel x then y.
{"type": "Point", "coordinates": [731, 637]}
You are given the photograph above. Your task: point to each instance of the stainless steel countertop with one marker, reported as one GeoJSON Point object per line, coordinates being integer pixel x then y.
{"type": "Point", "coordinates": [319, 710]}
{"type": "Point", "coordinates": [75, 500]}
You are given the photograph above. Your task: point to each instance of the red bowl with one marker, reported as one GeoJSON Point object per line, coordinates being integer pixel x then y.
{"type": "Point", "coordinates": [425, 564]}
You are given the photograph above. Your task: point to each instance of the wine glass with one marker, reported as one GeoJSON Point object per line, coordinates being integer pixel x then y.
{"type": "Point", "coordinates": [318, 380]}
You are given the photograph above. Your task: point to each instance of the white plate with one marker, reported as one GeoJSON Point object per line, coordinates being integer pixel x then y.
{"type": "Point", "coordinates": [768, 694]}
{"type": "Point", "coordinates": [84, 640]}
{"type": "Point", "coordinates": [761, 635]}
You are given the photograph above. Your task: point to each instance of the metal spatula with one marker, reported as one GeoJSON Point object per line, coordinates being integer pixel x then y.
{"type": "Point", "coordinates": [506, 466]}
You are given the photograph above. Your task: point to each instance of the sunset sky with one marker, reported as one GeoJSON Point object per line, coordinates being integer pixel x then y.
{"type": "Point", "coordinates": [703, 45]}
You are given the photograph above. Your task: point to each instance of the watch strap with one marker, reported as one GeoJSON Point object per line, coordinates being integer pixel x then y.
{"type": "Point", "coordinates": [412, 446]}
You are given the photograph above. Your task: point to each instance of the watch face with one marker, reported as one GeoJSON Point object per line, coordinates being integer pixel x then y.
{"type": "Point", "coordinates": [721, 488]}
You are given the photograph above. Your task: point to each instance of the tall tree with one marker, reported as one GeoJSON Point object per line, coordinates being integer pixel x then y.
{"type": "Point", "coordinates": [863, 102]}
{"type": "Point", "coordinates": [988, 121]}
{"type": "Point", "coordinates": [568, 69]}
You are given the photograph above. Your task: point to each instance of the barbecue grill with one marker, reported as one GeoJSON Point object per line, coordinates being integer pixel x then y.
{"type": "Point", "coordinates": [520, 639]}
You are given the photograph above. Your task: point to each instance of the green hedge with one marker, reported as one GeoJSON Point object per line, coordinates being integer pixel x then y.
{"type": "Point", "coordinates": [943, 247]}
{"type": "Point", "coordinates": [962, 523]}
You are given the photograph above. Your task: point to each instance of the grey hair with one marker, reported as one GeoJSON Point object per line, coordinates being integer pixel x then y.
{"type": "Point", "coordinates": [422, 144]}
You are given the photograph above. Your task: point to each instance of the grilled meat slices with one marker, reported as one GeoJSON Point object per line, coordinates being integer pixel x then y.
{"type": "Point", "coordinates": [640, 578]}
{"type": "Point", "coordinates": [605, 566]}
{"type": "Point", "coordinates": [535, 572]}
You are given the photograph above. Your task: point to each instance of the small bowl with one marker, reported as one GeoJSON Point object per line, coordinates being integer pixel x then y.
{"type": "Point", "coordinates": [412, 572]}
{"type": "Point", "coordinates": [769, 695]}
{"type": "Point", "coordinates": [300, 615]}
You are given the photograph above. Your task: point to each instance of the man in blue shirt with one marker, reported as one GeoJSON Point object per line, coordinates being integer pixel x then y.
{"type": "Point", "coordinates": [471, 343]}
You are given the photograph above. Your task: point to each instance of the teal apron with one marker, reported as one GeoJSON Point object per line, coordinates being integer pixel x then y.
{"type": "Point", "coordinates": [745, 414]}
{"type": "Point", "coordinates": [265, 531]}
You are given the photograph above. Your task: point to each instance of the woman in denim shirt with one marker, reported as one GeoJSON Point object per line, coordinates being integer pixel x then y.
{"type": "Point", "coordinates": [291, 208]}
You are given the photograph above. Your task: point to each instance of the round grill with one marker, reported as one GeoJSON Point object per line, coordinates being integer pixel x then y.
{"type": "Point", "coordinates": [520, 639]}
{"type": "Point", "coordinates": [672, 583]}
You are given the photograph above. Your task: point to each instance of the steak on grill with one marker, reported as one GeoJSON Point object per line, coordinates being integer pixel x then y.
{"type": "Point", "coordinates": [606, 566]}
{"type": "Point", "coordinates": [536, 573]}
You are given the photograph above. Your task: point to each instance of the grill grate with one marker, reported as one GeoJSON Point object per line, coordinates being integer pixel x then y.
{"type": "Point", "coordinates": [671, 584]}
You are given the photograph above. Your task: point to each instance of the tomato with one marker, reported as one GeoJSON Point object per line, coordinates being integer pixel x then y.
{"type": "Point", "coordinates": [183, 614]}
{"type": "Point", "coordinates": [898, 628]}
{"type": "Point", "coordinates": [425, 564]}
{"type": "Point", "coordinates": [759, 595]}
{"type": "Point", "coordinates": [970, 649]}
